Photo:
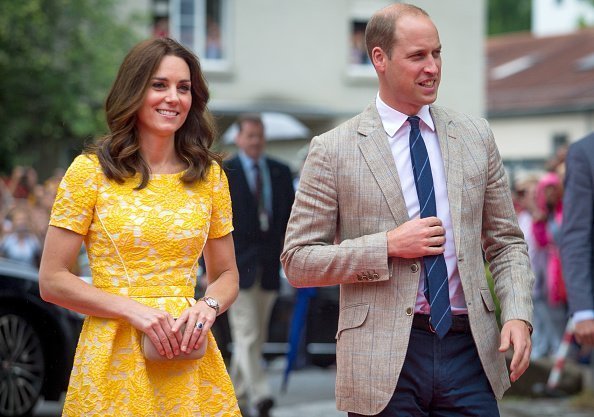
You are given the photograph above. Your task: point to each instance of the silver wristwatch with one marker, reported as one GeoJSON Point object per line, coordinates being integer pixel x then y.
{"type": "Point", "coordinates": [211, 302]}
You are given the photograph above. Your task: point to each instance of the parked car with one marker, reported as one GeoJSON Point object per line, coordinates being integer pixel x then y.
{"type": "Point", "coordinates": [37, 342]}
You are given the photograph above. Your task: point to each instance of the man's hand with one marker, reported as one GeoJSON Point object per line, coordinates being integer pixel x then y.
{"type": "Point", "coordinates": [516, 333]}
{"type": "Point", "coordinates": [417, 238]}
{"type": "Point", "coordinates": [584, 332]}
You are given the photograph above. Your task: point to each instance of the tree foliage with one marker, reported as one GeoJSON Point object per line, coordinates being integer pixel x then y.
{"type": "Point", "coordinates": [57, 61]}
{"type": "Point", "coordinates": [509, 16]}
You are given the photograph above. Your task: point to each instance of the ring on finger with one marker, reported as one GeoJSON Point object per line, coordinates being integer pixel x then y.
{"type": "Point", "coordinates": [199, 325]}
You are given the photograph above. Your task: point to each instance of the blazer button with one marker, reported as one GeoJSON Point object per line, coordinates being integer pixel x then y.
{"type": "Point", "coordinates": [409, 311]}
{"type": "Point", "coordinates": [414, 267]}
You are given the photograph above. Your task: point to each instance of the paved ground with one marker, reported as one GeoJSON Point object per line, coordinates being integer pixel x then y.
{"type": "Point", "coordinates": [310, 393]}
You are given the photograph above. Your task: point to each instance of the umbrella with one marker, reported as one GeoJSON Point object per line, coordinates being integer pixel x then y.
{"type": "Point", "coordinates": [297, 330]}
{"type": "Point", "coordinates": [277, 126]}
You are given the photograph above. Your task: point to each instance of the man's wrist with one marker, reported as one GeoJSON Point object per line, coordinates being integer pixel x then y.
{"type": "Point", "coordinates": [530, 328]}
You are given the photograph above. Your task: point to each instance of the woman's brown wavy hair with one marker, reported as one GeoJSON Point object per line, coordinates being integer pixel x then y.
{"type": "Point", "coordinates": [119, 151]}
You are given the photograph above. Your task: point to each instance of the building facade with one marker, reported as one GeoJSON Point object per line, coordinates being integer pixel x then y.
{"type": "Point", "coordinates": [307, 58]}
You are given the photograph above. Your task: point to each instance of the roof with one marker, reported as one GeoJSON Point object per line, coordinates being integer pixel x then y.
{"type": "Point", "coordinates": [529, 75]}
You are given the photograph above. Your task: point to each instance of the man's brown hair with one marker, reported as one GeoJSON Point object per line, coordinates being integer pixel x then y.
{"type": "Point", "coordinates": [381, 28]}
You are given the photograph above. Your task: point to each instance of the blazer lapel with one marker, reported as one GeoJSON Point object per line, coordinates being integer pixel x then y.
{"type": "Point", "coordinates": [377, 154]}
{"type": "Point", "coordinates": [451, 152]}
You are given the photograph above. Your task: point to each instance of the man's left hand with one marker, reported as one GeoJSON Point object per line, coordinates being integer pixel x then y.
{"type": "Point", "coordinates": [516, 333]}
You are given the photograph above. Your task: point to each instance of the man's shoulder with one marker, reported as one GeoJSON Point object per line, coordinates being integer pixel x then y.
{"type": "Point", "coordinates": [232, 166]}
{"type": "Point", "coordinates": [234, 160]}
{"type": "Point", "coordinates": [586, 142]}
{"type": "Point", "coordinates": [463, 125]}
{"type": "Point", "coordinates": [448, 114]}
{"type": "Point", "coordinates": [276, 163]}
{"type": "Point", "coordinates": [347, 128]}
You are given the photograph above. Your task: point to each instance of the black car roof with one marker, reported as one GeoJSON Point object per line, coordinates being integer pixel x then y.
{"type": "Point", "coordinates": [16, 269]}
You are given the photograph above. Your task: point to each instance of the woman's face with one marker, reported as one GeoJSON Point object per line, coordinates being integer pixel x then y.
{"type": "Point", "coordinates": [167, 100]}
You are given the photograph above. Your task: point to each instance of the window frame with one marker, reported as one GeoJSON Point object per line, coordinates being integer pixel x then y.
{"type": "Point", "coordinates": [357, 72]}
{"type": "Point", "coordinates": [218, 65]}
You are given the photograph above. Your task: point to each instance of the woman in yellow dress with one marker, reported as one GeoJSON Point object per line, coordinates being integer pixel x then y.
{"type": "Point", "coordinates": [147, 200]}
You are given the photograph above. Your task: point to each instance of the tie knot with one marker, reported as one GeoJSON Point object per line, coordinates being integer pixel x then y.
{"type": "Point", "coordinates": [414, 122]}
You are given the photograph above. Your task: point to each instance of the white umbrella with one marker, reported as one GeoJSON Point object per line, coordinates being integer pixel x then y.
{"type": "Point", "coordinates": [277, 126]}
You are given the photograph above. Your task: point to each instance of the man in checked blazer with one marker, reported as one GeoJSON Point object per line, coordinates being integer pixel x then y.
{"type": "Point", "coordinates": [355, 222]}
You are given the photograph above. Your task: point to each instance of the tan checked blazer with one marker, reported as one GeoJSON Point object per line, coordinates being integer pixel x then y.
{"type": "Point", "coordinates": [349, 196]}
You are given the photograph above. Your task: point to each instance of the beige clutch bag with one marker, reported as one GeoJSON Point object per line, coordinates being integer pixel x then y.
{"type": "Point", "coordinates": [151, 353]}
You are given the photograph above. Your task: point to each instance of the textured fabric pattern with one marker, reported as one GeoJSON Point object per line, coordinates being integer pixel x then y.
{"type": "Point", "coordinates": [436, 271]}
{"type": "Point", "coordinates": [349, 196]}
{"type": "Point", "coordinates": [159, 233]}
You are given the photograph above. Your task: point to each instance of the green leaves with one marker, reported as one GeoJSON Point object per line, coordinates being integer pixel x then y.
{"type": "Point", "coordinates": [57, 61]}
{"type": "Point", "coordinates": [509, 16]}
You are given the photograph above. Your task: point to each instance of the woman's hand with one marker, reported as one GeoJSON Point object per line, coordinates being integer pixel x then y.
{"type": "Point", "coordinates": [198, 319]}
{"type": "Point", "coordinates": [158, 326]}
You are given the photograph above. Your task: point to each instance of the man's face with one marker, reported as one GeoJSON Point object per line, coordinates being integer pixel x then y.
{"type": "Point", "coordinates": [409, 79]}
{"type": "Point", "coordinates": [250, 139]}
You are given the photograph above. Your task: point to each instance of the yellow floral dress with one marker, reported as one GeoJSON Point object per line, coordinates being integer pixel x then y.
{"type": "Point", "coordinates": [143, 244]}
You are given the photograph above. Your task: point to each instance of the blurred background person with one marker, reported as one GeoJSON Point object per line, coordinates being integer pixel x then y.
{"type": "Point", "coordinates": [524, 196]}
{"type": "Point", "coordinates": [549, 288]}
{"type": "Point", "coordinates": [20, 243]}
{"type": "Point", "coordinates": [262, 195]}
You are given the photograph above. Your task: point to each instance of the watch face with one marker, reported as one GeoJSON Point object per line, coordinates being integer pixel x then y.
{"type": "Point", "coordinates": [211, 302]}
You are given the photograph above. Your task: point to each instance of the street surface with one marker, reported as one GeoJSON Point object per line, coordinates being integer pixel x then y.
{"type": "Point", "coordinates": [310, 393]}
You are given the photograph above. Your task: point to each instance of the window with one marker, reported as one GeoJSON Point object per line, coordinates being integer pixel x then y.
{"type": "Point", "coordinates": [359, 68]}
{"type": "Point", "coordinates": [560, 141]}
{"type": "Point", "coordinates": [359, 65]}
{"type": "Point", "coordinates": [358, 50]}
{"type": "Point", "coordinates": [160, 18]}
{"type": "Point", "coordinates": [201, 25]}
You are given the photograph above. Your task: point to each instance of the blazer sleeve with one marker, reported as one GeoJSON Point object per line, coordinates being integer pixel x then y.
{"type": "Point", "coordinates": [503, 241]}
{"type": "Point", "coordinates": [314, 254]}
{"type": "Point", "coordinates": [577, 234]}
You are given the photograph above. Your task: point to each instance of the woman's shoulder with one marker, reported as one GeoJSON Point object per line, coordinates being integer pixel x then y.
{"type": "Point", "coordinates": [83, 169]}
{"type": "Point", "coordinates": [214, 171]}
{"type": "Point", "coordinates": [85, 162]}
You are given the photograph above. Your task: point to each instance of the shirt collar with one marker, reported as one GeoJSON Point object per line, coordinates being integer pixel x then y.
{"type": "Point", "coordinates": [248, 162]}
{"type": "Point", "coordinates": [392, 119]}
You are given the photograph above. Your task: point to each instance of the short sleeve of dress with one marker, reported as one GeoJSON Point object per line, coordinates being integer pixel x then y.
{"type": "Point", "coordinates": [75, 199]}
{"type": "Point", "coordinates": [221, 218]}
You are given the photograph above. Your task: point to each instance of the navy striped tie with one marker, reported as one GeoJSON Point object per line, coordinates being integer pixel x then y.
{"type": "Point", "coordinates": [436, 272]}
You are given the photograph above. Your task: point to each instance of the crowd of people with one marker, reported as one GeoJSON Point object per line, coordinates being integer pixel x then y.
{"type": "Point", "coordinates": [25, 205]}
{"type": "Point", "coordinates": [538, 199]}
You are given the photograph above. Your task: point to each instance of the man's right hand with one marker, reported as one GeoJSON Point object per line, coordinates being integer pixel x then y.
{"type": "Point", "coordinates": [584, 332]}
{"type": "Point", "coordinates": [417, 238]}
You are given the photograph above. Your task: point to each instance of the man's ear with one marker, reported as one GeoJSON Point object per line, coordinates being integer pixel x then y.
{"type": "Point", "coordinates": [378, 58]}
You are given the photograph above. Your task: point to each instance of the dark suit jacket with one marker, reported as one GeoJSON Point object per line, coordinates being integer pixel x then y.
{"type": "Point", "coordinates": [577, 245]}
{"type": "Point", "coordinates": [252, 248]}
